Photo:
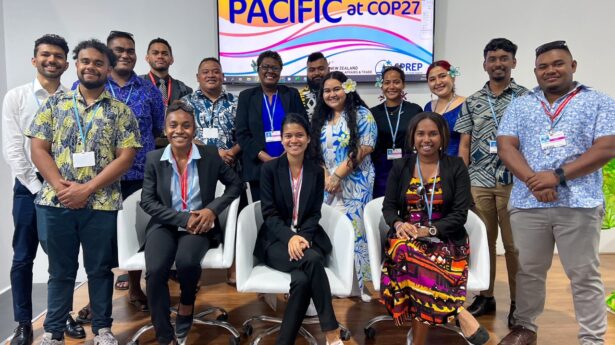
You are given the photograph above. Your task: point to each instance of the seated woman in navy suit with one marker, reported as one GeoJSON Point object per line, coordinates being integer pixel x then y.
{"type": "Point", "coordinates": [290, 239]}
{"type": "Point", "coordinates": [179, 193]}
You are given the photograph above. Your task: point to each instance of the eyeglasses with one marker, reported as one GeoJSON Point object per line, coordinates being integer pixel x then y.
{"type": "Point", "coordinates": [267, 68]}
{"type": "Point", "coordinates": [550, 46]}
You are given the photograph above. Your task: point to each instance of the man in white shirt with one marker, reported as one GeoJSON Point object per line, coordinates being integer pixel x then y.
{"type": "Point", "coordinates": [18, 109]}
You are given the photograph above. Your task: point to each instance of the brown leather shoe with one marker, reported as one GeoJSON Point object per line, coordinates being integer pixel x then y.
{"type": "Point", "coordinates": [520, 336]}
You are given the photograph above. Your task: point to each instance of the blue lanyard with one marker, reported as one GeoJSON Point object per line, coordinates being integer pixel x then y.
{"type": "Point", "coordinates": [433, 188]}
{"type": "Point", "coordinates": [393, 134]}
{"type": "Point", "coordinates": [78, 120]}
{"type": "Point", "coordinates": [270, 113]}
{"type": "Point", "coordinates": [113, 92]}
{"type": "Point", "coordinates": [495, 118]}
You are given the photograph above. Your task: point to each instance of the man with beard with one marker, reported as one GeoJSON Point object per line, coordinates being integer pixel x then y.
{"type": "Point", "coordinates": [20, 105]}
{"type": "Point", "coordinates": [491, 181]}
{"type": "Point", "coordinates": [83, 141]}
{"type": "Point", "coordinates": [317, 68]}
{"type": "Point", "coordinates": [160, 57]}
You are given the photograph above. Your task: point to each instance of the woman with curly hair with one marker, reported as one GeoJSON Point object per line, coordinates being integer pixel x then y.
{"type": "Point", "coordinates": [347, 133]}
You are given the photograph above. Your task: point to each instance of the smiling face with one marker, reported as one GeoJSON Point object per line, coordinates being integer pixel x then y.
{"type": "Point", "coordinates": [159, 57]}
{"type": "Point", "coordinates": [295, 139]}
{"type": "Point", "coordinates": [393, 86]}
{"type": "Point", "coordinates": [210, 77]}
{"type": "Point", "coordinates": [269, 72]}
{"type": "Point", "coordinates": [50, 61]}
{"type": "Point", "coordinates": [124, 50]}
{"type": "Point", "coordinates": [499, 64]}
{"type": "Point", "coordinates": [180, 128]}
{"type": "Point", "coordinates": [316, 71]}
{"type": "Point", "coordinates": [92, 68]}
{"type": "Point", "coordinates": [440, 82]}
{"type": "Point", "coordinates": [427, 138]}
{"type": "Point", "coordinates": [554, 71]}
{"type": "Point", "coordinates": [333, 94]}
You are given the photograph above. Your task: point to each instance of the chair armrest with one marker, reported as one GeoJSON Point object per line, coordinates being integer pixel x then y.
{"type": "Point", "coordinates": [230, 229]}
{"type": "Point", "coordinates": [341, 233]}
{"type": "Point", "coordinates": [248, 224]}
{"type": "Point", "coordinates": [479, 262]}
{"type": "Point", "coordinates": [129, 218]}
{"type": "Point", "coordinates": [375, 233]}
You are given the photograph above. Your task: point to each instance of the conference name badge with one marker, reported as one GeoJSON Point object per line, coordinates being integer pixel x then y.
{"type": "Point", "coordinates": [552, 140]}
{"type": "Point", "coordinates": [210, 133]}
{"type": "Point", "coordinates": [493, 147]}
{"type": "Point", "coordinates": [393, 154]}
{"type": "Point", "coordinates": [273, 136]}
{"type": "Point", "coordinates": [84, 159]}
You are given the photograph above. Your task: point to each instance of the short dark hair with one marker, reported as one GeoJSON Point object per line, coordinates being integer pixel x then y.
{"type": "Point", "coordinates": [315, 56]}
{"type": "Point", "coordinates": [211, 58]}
{"type": "Point", "coordinates": [180, 105]}
{"type": "Point", "coordinates": [98, 45]}
{"type": "Point", "coordinates": [159, 40]}
{"type": "Point", "coordinates": [500, 43]}
{"type": "Point", "coordinates": [543, 48]}
{"type": "Point", "coordinates": [54, 40]}
{"type": "Point", "coordinates": [388, 69]}
{"type": "Point", "coordinates": [269, 54]}
{"type": "Point", "coordinates": [440, 123]}
{"type": "Point", "coordinates": [119, 34]}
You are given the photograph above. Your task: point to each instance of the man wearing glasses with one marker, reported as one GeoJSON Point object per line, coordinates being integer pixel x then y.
{"type": "Point", "coordinates": [260, 112]}
{"type": "Point", "coordinates": [317, 69]}
{"type": "Point", "coordinates": [555, 141]}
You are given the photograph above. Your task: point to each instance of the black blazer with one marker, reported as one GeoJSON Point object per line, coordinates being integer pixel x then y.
{"type": "Point", "coordinates": [277, 206]}
{"type": "Point", "coordinates": [456, 193]}
{"type": "Point", "coordinates": [250, 134]}
{"type": "Point", "coordinates": [156, 192]}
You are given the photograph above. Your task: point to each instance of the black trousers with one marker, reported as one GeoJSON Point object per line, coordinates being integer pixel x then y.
{"type": "Point", "coordinates": [308, 281]}
{"type": "Point", "coordinates": [163, 247]}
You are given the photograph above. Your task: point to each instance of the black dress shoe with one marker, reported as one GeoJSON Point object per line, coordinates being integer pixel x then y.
{"type": "Point", "coordinates": [23, 335]}
{"type": "Point", "coordinates": [511, 316]}
{"type": "Point", "coordinates": [73, 329]}
{"type": "Point", "coordinates": [482, 305]}
{"type": "Point", "coordinates": [183, 325]}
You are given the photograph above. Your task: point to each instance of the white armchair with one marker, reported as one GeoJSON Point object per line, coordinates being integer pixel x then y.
{"type": "Point", "coordinates": [132, 218]}
{"type": "Point", "coordinates": [253, 276]}
{"type": "Point", "coordinates": [376, 230]}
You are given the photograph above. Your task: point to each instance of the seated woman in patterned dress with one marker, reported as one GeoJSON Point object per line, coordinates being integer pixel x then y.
{"type": "Point", "coordinates": [426, 204]}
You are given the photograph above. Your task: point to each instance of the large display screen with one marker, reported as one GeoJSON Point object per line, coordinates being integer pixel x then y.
{"type": "Point", "coordinates": [358, 37]}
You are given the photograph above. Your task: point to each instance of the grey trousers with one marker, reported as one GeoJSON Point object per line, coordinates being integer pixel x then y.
{"type": "Point", "coordinates": [576, 232]}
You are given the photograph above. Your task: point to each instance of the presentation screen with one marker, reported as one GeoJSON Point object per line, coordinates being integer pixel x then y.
{"type": "Point", "coordinates": [357, 37]}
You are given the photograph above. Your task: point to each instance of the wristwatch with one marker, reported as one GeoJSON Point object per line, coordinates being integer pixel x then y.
{"type": "Point", "coordinates": [433, 231]}
{"type": "Point", "coordinates": [559, 173]}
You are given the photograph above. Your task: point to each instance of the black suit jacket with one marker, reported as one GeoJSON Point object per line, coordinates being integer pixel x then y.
{"type": "Point", "coordinates": [277, 206]}
{"type": "Point", "coordinates": [455, 182]}
{"type": "Point", "coordinates": [250, 134]}
{"type": "Point", "coordinates": [156, 192]}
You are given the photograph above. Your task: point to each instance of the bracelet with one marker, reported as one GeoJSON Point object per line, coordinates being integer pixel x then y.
{"type": "Point", "coordinates": [396, 225]}
{"type": "Point", "coordinates": [338, 176]}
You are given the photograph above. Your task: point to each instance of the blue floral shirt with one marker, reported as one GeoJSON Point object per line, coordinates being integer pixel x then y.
{"type": "Point", "coordinates": [218, 114]}
{"type": "Point", "coordinates": [145, 101]}
{"type": "Point", "coordinates": [587, 117]}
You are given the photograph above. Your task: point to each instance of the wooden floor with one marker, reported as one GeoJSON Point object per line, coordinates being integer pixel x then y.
{"type": "Point", "coordinates": [557, 324]}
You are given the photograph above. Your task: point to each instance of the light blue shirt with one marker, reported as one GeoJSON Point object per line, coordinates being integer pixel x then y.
{"type": "Point", "coordinates": [194, 201]}
{"type": "Point", "coordinates": [587, 117]}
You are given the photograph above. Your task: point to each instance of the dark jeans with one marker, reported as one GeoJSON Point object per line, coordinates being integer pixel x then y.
{"type": "Point", "coordinates": [163, 247]}
{"type": "Point", "coordinates": [308, 281]}
{"type": "Point", "coordinates": [25, 245]}
{"type": "Point", "coordinates": [95, 231]}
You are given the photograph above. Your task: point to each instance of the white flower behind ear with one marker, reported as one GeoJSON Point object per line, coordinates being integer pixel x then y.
{"type": "Point", "coordinates": [349, 86]}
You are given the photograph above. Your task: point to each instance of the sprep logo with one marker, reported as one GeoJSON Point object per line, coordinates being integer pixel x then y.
{"type": "Point", "coordinates": [404, 66]}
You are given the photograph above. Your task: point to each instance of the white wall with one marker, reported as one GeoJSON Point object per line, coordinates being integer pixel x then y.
{"type": "Point", "coordinates": [462, 30]}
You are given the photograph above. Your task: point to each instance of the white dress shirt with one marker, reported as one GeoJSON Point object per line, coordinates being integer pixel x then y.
{"type": "Point", "coordinates": [18, 109]}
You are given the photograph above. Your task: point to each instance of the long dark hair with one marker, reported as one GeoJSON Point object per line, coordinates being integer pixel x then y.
{"type": "Point", "coordinates": [441, 124]}
{"type": "Point", "coordinates": [294, 118]}
{"type": "Point", "coordinates": [323, 113]}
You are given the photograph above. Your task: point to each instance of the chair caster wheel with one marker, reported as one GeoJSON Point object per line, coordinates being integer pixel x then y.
{"type": "Point", "coordinates": [345, 334]}
{"type": "Point", "coordinates": [222, 317]}
{"type": "Point", "coordinates": [234, 341]}
{"type": "Point", "coordinates": [247, 330]}
{"type": "Point", "coordinates": [370, 333]}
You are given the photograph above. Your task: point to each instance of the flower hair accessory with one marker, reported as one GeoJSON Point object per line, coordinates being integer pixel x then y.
{"type": "Point", "coordinates": [254, 66]}
{"type": "Point", "coordinates": [454, 72]}
{"type": "Point", "coordinates": [349, 86]}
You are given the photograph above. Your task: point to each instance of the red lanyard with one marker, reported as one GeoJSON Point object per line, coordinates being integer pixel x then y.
{"type": "Point", "coordinates": [183, 182]}
{"type": "Point", "coordinates": [169, 88]}
{"type": "Point", "coordinates": [296, 187]}
{"type": "Point", "coordinates": [561, 107]}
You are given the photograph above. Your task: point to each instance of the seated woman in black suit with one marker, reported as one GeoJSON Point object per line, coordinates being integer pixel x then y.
{"type": "Point", "coordinates": [290, 239]}
{"type": "Point", "coordinates": [179, 193]}
{"type": "Point", "coordinates": [426, 204]}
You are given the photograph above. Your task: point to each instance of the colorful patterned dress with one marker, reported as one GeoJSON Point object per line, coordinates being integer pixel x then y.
{"type": "Point", "coordinates": [356, 187]}
{"type": "Point", "coordinates": [426, 278]}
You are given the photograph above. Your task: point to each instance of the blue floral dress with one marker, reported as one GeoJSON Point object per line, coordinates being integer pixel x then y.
{"type": "Point", "coordinates": [358, 186]}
